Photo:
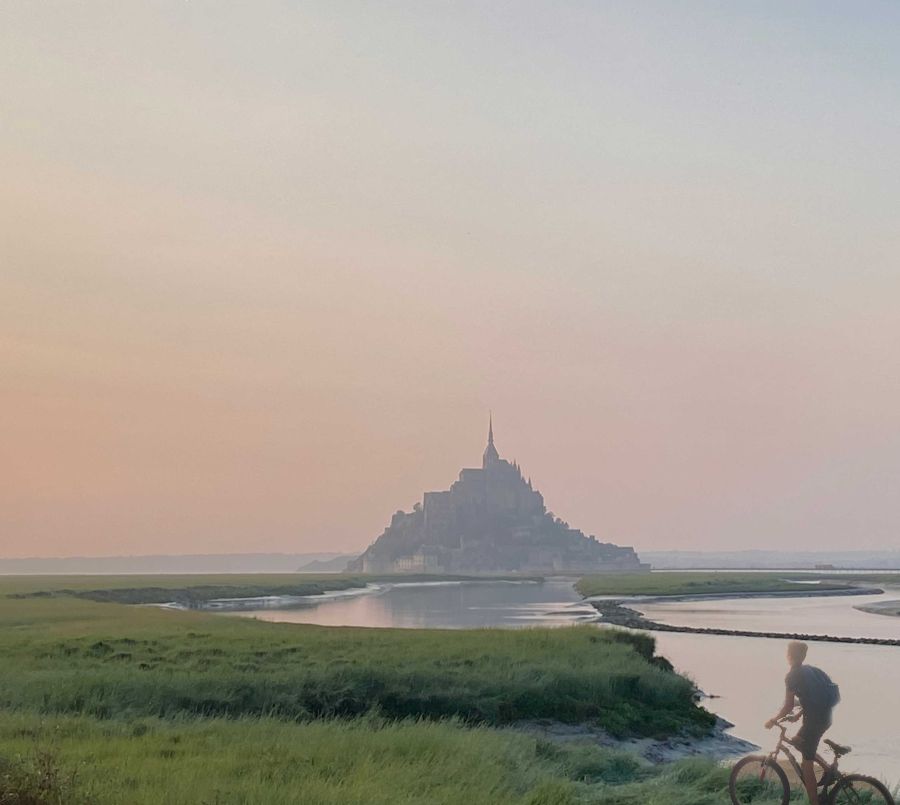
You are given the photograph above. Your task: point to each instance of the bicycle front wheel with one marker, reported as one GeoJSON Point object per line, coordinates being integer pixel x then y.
{"type": "Point", "coordinates": [856, 789]}
{"type": "Point", "coordinates": [759, 781]}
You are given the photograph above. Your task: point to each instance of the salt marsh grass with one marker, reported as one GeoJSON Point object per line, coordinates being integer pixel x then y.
{"type": "Point", "coordinates": [336, 762]}
{"type": "Point", "coordinates": [712, 583]}
{"type": "Point", "coordinates": [105, 704]}
{"type": "Point", "coordinates": [67, 655]}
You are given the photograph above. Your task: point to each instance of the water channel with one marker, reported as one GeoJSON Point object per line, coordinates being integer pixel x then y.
{"type": "Point", "coordinates": [744, 674]}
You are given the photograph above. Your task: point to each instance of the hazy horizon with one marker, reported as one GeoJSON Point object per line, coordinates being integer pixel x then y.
{"type": "Point", "coordinates": [876, 559]}
{"type": "Point", "coordinates": [267, 267]}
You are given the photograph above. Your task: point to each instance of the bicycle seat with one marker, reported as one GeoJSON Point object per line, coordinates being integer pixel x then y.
{"type": "Point", "coordinates": [837, 748]}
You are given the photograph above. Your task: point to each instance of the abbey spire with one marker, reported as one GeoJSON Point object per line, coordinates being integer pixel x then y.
{"type": "Point", "coordinates": [491, 456]}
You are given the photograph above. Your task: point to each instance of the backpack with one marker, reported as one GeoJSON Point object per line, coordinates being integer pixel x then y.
{"type": "Point", "coordinates": [829, 692]}
{"type": "Point", "coordinates": [815, 688]}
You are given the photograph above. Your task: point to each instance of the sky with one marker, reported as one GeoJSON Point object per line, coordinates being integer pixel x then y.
{"type": "Point", "coordinates": [265, 268]}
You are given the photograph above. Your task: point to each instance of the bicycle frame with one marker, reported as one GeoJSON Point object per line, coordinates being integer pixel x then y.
{"type": "Point", "coordinates": [783, 746]}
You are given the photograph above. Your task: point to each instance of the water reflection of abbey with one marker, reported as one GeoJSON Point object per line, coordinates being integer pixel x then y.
{"type": "Point", "coordinates": [490, 520]}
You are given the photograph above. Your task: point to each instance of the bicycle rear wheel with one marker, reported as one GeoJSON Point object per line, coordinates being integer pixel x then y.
{"type": "Point", "coordinates": [856, 789]}
{"type": "Point", "coordinates": [756, 779]}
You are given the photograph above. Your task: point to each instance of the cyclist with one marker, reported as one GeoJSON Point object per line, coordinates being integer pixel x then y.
{"type": "Point", "coordinates": [818, 695]}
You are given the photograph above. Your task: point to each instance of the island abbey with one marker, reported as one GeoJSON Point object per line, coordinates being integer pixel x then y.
{"type": "Point", "coordinates": [490, 520]}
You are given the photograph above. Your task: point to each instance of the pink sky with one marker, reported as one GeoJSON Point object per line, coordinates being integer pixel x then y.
{"type": "Point", "coordinates": [264, 272]}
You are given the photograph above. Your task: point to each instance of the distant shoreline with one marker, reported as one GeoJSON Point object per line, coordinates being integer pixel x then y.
{"type": "Point", "coordinates": [613, 611]}
{"type": "Point", "coordinates": [265, 602]}
{"type": "Point", "coordinates": [775, 569]}
{"type": "Point", "coordinates": [888, 608]}
{"type": "Point", "coordinates": [811, 593]}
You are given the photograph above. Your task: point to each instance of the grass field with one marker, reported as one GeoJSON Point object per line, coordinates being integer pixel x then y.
{"type": "Point", "coordinates": [195, 590]}
{"type": "Point", "coordinates": [145, 705]}
{"type": "Point", "coordinates": [704, 583]}
{"type": "Point", "coordinates": [330, 762]}
{"type": "Point", "coordinates": [68, 655]}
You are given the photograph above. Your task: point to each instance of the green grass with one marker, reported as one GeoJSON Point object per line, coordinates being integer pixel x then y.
{"type": "Point", "coordinates": [700, 583]}
{"type": "Point", "coordinates": [253, 761]}
{"type": "Point", "coordinates": [104, 704]}
{"type": "Point", "coordinates": [108, 660]}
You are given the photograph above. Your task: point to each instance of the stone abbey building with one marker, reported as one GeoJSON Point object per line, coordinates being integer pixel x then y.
{"type": "Point", "coordinates": [490, 520]}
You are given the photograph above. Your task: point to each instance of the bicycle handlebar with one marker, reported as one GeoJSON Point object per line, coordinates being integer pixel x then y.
{"type": "Point", "coordinates": [790, 718]}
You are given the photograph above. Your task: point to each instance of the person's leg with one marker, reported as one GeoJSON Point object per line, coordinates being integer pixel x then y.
{"type": "Point", "coordinates": [809, 781]}
{"type": "Point", "coordinates": [812, 733]}
{"type": "Point", "coordinates": [807, 741]}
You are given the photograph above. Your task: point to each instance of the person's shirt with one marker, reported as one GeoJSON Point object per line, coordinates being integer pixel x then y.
{"type": "Point", "coordinates": [813, 687]}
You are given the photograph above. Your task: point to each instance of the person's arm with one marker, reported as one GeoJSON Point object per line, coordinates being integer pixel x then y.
{"type": "Point", "coordinates": [787, 707]}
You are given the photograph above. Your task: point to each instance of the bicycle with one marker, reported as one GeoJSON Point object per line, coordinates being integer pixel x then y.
{"type": "Point", "coordinates": [762, 779]}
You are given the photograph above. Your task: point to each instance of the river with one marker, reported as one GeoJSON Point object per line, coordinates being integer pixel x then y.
{"type": "Point", "coordinates": [744, 675]}
{"type": "Point", "coordinates": [747, 673]}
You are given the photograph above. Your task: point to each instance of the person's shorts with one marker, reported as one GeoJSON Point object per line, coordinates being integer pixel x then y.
{"type": "Point", "coordinates": [808, 737]}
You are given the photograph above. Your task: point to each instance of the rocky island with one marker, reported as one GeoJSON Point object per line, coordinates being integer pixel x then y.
{"type": "Point", "coordinates": [491, 520]}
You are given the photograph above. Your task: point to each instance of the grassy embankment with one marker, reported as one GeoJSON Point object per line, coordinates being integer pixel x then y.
{"type": "Point", "coordinates": [145, 705]}
{"type": "Point", "coordinates": [265, 761]}
{"type": "Point", "coordinates": [196, 590]}
{"type": "Point", "coordinates": [707, 583]}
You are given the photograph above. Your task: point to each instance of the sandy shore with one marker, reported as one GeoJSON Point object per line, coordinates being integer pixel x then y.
{"type": "Point", "coordinates": [718, 745]}
{"type": "Point", "coordinates": [881, 608]}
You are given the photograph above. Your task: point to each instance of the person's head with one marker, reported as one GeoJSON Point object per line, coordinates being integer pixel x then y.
{"type": "Point", "coordinates": [796, 652]}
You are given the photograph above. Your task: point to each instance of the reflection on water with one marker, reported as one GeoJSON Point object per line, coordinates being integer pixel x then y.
{"type": "Point", "coordinates": [747, 674]}
{"type": "Point", "coordinates": [450, 605]}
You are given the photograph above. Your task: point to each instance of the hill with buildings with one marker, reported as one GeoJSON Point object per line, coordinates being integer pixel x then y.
{"type": "Point", "coordinates": [490, 520]}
